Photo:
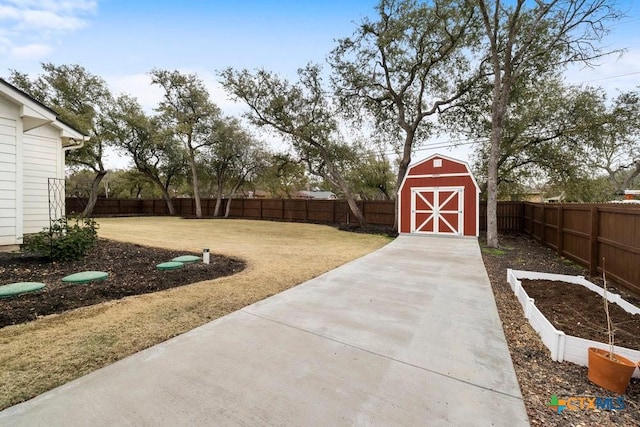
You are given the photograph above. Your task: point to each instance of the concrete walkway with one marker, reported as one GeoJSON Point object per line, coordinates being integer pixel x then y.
{"type": "Point", "coordinates": [408, 335]}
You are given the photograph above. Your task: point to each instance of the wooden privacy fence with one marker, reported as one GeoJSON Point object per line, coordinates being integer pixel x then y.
{"type": "Point", "coordinates": [322, 211]}
{"type": "Point", "coordinates": [510, 214]}
{"type": "Point", "coordinates": [588, 233]}
{"type": "Point", "coordinates": [581, 232]}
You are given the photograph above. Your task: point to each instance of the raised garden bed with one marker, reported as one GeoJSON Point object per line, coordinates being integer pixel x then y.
{"type": "Point", "coordinates": [564, 347]}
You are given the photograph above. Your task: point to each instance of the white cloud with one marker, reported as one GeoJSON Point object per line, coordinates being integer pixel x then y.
{"type": "Point", "coordinates": [55, 5]}
{"type": "Point", "coordinates": [8, 12]}
{"type": "Point", "coordinates": [220, 96]}
{"type": "Point", "coordinates": [30, 25]}
{"type": "Point", "coordinates": [30, 51]}
{"type": "Point", "coordinates": [148, 95]}
{"type": "Point", "coordinates": [36, 20]}
{"type": "Point", "coordinates": [139, 86]}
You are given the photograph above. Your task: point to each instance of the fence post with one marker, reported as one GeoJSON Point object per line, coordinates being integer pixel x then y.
{"type": "Point", "coordinates": [333, 210]}
{"type": "Point", "coordinates": [593, 242]}
{"type": "Point", "coordinates": [261, 200]}
{"type": "Point", "coordinates": [306, 209]}
{"type": "Point", "coordinates": [282, 204]}
{"type": "Point", "coordinates": [543, 223]}
{"type": "Point", "coordinates": [560, 245]}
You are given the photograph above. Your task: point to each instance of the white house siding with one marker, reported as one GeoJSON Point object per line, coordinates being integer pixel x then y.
{"type": "Point", "coordinates": [42, 160]}
{"type": "Point", "coordinates": [8, 173]}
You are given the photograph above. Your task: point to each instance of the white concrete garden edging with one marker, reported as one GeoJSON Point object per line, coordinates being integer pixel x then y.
{"type": "Point", "coordinates": [566, 347]}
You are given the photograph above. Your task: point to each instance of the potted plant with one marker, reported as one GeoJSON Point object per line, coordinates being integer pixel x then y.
{"type": "Point", "coordinates": [607, 369]}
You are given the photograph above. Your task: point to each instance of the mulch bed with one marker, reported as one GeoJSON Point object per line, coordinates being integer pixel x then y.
{"type": "Point", "coordinates": [132, 271]}
{"type": "Point", "coordinates": [578, 311]}
{"type": "Point", "coordinates": [538, 375]}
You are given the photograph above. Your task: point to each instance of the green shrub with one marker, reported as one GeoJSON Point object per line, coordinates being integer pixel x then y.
{"type": "Point", "coordinates": [65, 240]}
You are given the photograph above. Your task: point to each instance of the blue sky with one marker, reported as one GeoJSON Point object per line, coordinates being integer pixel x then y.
{"type": "Point", "coordinates": [122, 40]}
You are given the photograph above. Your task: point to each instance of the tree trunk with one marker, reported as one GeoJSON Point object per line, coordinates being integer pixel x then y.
{"type": "Point", "coordinates": [227, 211]}
{"type": "Point", "coordinates": [353, 206]}
{"type": "Point", "coordinates": [216, 211]}
{"type": "Point", "coordinates": [164, 189]}
{"type": "Point", "coordinates": [385, 193]}
{"type": "Point", "coordinates": [630, 177]}
{"type": "Point", "coordinates": [219, 191]}
{"type": "Point", "coordinates": [337, 179]}
{"type": "Point", "coordinates": [93, 196]}
{"type": "Point", "coordinates": [168, 201]}
{"type": "Point", "coordinates": [403, 167]}
{"type": "Point", "coordinates": [492, 188]}
{"type": "Point", "coordinates": [195, 183]}
{"type": "Point", "coordinates": [501, 90]}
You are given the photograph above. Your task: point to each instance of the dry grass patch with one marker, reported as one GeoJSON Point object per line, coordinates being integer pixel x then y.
{"type": "Point", "coordinates": [53, 350]}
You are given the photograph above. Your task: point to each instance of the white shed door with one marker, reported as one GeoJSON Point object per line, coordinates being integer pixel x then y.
{"type": "Point", "coordinates": [437, 210]}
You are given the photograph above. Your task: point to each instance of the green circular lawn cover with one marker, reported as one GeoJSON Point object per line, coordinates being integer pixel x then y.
{"type": "Point", "coordinates": [187, 258]}
{"type": "Point", "coordinates": [171, 265]}
{"type": "Point", "coordinates": [13, 289]}
{"type": "Point", "coordinates": [85, 277]}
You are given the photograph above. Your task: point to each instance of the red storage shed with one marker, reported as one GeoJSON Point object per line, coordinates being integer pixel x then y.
{"type": "Point", "coordinates": [439, 195]}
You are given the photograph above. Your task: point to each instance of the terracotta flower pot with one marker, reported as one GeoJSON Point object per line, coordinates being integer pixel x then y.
{"type": "Point", "coordinates": [614, 375]}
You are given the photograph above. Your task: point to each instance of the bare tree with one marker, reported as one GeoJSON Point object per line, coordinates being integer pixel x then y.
{"type": "Point", "coordinates": [189, 109]}
{"type": "Point", "coordinates": [406, 67]}
{"type": "Point", "coordinates": [300, 111]}
{"type": "Point", "coordinates": [234, 157]}
{"type": "Point", "coordinates": [613, 138]}
{"type": "Point", "coordinates": [522, 37]}
{"type": "Point", "coordinates": [154, 150]}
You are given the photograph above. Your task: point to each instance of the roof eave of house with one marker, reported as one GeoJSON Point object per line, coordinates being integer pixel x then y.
{"type": "Point", "coordinates": [35, 114]}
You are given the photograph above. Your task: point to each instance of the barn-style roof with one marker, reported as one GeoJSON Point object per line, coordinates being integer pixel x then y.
{"type": "Point", "coordinates": [447, 158]}
{"type": "Point", "coordinates": [439, 195]}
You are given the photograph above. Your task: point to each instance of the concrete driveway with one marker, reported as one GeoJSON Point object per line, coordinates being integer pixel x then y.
{"type": "Point", "coordinates": [408, 335]}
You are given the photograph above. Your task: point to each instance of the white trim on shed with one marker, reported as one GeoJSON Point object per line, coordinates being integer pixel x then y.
{"type": "Point", "coordinates": [433, 175]}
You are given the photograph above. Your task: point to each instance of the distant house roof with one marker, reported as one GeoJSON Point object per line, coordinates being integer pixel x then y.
{"type": "Point", "coordinates": [319, 195]}
{"type": "Point", "coordinates": [256, 194]}
{"type": "Point", "coordinates": [556, 199]}
{"type": "Point", "coordinates": [35, 114]}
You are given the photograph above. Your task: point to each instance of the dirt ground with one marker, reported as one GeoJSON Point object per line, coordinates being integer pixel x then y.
{"type": "Point", "coordinates": [577, 311]}
{"type": "Point", "coordinates": [538, 375]}
{"type": "Point", "coordinates": [132, 271]}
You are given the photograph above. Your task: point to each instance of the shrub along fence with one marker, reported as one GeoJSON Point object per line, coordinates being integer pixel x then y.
{"type": "Point", "coordinates": [587, 234]}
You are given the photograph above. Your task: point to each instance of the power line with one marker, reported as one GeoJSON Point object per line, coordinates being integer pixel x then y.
{"type": "Point", "coordinates": [611, 77]}
{"type": "Point", "coordinates": [443, 144]}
